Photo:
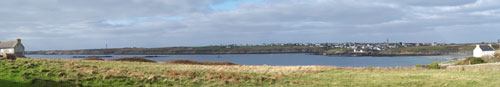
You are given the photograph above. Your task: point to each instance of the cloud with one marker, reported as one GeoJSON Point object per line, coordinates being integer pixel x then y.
{"type": "Point", "coordinates": [80, 24]}
{"type": "Point", "coordinates": [429, 3]}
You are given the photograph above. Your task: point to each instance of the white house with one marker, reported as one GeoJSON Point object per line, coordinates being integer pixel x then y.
{"type": "Point", "coordinates": [12, 47]}
{"type": "Point", "coordinates": [359, 51]}
{"type": "Point", "coordinates": [484, 51]}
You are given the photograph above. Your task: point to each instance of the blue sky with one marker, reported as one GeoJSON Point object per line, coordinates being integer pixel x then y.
{"type": "Point", "coordinates": [84, 24]}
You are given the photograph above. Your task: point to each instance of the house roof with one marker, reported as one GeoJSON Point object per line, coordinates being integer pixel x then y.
{"type": "Point", "coordinates": [483, 47]}
{"type": "Point", "coordinates": [8, 44]}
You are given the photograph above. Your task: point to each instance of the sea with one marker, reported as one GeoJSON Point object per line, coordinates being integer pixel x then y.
{"type": "Point", "coordinates": [287, 59]}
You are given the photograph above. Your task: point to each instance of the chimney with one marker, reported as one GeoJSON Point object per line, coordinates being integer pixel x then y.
{"type": "Point", "coordinates": [18, 40]}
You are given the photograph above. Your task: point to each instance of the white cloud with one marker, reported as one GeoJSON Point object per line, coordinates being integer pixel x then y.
{"type": "Point", "coordinates": [77, 24]}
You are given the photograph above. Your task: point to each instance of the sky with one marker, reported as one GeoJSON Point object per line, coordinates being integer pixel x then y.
{"type": "Point", "coordinates": [89, 24]}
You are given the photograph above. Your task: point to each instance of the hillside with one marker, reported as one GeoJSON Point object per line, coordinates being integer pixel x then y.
{"type": "Point", "coordinates": [406, 51]}
{"type": "Point", "coordinates": [190, 50]}
{"type": "Point", "coordinates": [71, 73]}
{"type": "Point", "coordinates": [433, 50]}
{"type": "Point", "coordinates": [409, 51]}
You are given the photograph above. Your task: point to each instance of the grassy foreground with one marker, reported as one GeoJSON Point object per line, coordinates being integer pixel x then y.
{"type": "Point", "coordinates": [54, 73]}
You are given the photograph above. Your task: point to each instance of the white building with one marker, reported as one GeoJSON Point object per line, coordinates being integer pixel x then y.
{"type": "Point", "coordinates": [12, 47]}
{"type": "Point", "coordinates": [359, 51]}
{"type": "Point", "coordinates": [484, 51]}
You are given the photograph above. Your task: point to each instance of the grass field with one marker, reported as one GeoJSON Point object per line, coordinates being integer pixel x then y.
{"type": "Point", "coordinates": [447, 49]}
{"type": "Point", "coordinates": [54, 73]}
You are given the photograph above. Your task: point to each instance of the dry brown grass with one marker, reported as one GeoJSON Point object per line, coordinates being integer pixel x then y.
{"type": "Point", "coordinates": [149, 71]}
{"type": "Point", "coordinates": [229, 73]}
{"type": "Point", "coordinates": [133, 59]}
{"type": "Point", "coordinates": [224, 75]}
{"type": "Point", "coordinates": [488, 67]}
{"type": "Point", "coordinates": [199, 63]}
{"type": "Point", "coordinates": [497, 54]}
{"type": "Point", "coordinates": [223, 68]}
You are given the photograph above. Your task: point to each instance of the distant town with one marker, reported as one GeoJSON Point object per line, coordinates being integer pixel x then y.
{"type": "Point", "coordinates": [358, 47]}
{"type": "Point", "coordinates": [386, 48]}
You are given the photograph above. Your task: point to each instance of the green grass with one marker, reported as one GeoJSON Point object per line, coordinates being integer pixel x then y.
{"type": "Point", "coordinates": [447, 49]}
{"type": "Point", "coordinates": [454, 62]}
{"type": "Point", "coordinates": [52, 73]}
{"type": "Point", "coordinates": [339, 50]}
{"type": "Point", "coordinates": [399, 78]}
{"type": "Point", "coordinates": [63, 73]}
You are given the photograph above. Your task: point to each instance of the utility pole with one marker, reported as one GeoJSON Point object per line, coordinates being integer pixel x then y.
{"type": "Point", "coordinates": [106, 45]}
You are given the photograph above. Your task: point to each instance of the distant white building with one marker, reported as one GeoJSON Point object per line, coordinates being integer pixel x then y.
{"type": "Point", "coordinates": [484, 51]}
{"type": "Point", "coordinates": [359, 51]}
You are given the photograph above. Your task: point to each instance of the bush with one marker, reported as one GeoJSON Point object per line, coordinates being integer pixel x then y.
{"type": "Point", "coordinates": [434, 65]}
{"type": "Point", "coordinates": [93, 58]}
{"type": "Point", "coordinates": [133, 59]}
{"type": "Point", "coordinates": [471, 60]}
{"type": "Point", "coordinates": [419, 65]}
{"type": "Point", "coordinates": [423, 66]}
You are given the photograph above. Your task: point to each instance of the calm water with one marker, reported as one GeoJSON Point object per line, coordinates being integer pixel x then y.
{"type": "Point", "coordinates": [288, 59]}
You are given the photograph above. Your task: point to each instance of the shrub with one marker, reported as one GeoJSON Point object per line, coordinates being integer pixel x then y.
{"type": "Point", "coordinates": [93, 58]}
{"type": "Point", "coordinates": [9, 56]}
{"type": "Point", "coordinates": [133, 59]}
{"type": "Point", "coordinates": [434, 65]}
{"type": "Point", "coordinates": [471, 60]}
{"type": "Point", "coordinates": [424, 66]}
{"type": "Point", "coordinates": [183, 62]}
{"type": "Point", "coordinates": [199, 63]}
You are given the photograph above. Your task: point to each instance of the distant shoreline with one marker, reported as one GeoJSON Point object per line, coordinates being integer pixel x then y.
{"type": "Point", "coordinates": [347, 54]}
{"type": "Point", "coordinates": [406, 51]}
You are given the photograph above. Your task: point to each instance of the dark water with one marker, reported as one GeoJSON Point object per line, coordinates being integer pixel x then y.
{"type": "Point", "coordinates": [288, 59]}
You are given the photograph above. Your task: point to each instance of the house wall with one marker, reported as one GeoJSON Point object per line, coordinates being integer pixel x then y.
{"type": "Point", "coordinates": [19, 50]}
{"type": "Point", "coordinates": [7, 50]}
{"type": "Point", "coordinates": [488, 53]}
{"type": "Point", "coordinates": [478, 52]}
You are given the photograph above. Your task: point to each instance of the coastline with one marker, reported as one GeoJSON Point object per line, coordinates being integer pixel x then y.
{"type": "Point", "coordinates": [406, 51]}
{"type": "Point", "coordinates": [337, 54]}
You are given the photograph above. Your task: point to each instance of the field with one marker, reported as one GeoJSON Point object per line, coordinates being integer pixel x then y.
{"type": "Point", "coordinates": [440, 50]}
{"type": "Point", "coordinates": [53, 73]}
